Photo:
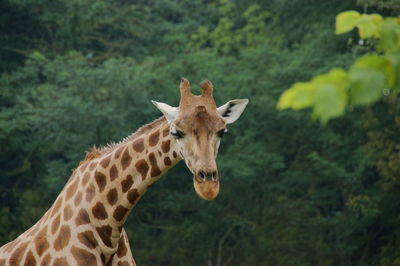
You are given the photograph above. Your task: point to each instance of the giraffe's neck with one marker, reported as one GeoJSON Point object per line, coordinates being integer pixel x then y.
{"type": "Point", "coordinates": [103, 190]}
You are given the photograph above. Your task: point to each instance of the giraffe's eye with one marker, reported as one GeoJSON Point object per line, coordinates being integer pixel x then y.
{"type": "Point", "coordinates": [222, 132]}
{"type": "Point", "coordinates": [177, 134]}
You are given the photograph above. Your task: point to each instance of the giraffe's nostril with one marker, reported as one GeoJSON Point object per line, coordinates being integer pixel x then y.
{"type": "Point", "coordinates": [214, 176]}
{"type": "Point", "coordinates": [202, 175]}
{"type": "Point", "coordinates": [208, 176]}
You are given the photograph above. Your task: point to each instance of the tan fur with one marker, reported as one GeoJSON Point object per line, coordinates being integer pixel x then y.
{"type": "Point", "coordinates": [199, 119]}
{"type": "Point", "coordinates": [97, 152]}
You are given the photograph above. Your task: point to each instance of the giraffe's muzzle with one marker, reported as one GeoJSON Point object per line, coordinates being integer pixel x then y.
{"type": "Point", "coordinates": [206, 184]}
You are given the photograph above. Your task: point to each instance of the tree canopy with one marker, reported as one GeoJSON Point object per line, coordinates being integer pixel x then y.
{"type": "Point", "coordinates": [294, 192]}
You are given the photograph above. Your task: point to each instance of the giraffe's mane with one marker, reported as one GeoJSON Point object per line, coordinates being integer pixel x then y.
{"type": "Point", "coordinates": [96, 152]}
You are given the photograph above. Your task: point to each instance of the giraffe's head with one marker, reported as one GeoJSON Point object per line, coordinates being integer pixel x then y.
{"type": "Point", "coordinates": [198, 125]}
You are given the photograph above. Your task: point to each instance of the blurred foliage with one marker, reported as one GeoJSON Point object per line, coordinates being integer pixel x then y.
{"type": "Point", "coordinates": [370, 77]}
{"type": "Point", "coordinates": [81, 73]}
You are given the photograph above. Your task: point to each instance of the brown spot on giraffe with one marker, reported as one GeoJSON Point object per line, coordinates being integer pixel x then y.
{"type": "Point", "coordinates": [127, 183]}
{"type": "Point", "coordinates": [174, 154]}
{"type": "Point", "coordinates": [105, 162]}
{"type": "Point", "coordinates": [78, 198]}
{"type": "Point", "coordinates": [153, 139]}
{"type": "Point", "coordinates": [165, 146]}
{"type": "Point", "coordinates": [82, 218]}
{"type": "Point", "coordinates": [30, 259]}
{"type": "Point", "coordinates": [83, 257]}
{"type": "Point", "coordinates": [100, 180]}
{"type": "Point", "coordinates": [32, 231]}
{"type": "Point", "coordinates": [165, 131]}
{"type": "Point", "coordinates": [41, 242]}
{"type": "Point", "coordinates": [46, 260]}
{"type": "Point", "coordinates": [132, 196]}
{"type": "Point", "coordinates": [99, 211]}
{"type": "Point", "coordinates": [122, 250]}
{"type": "Point", "coordinates": [105, 234]}
{"type": "Point", "coordinates": [123, 263]}
{"type": "Point", "coordinates": [68, 213]}
{"type": "Point", "coordinates": [167, 161]}
{"type": "Point", "coordinates": [87, 238]}
{"type": "Point", "coordinates": [126, 159]}
{"type": "Point", "coordinates": [10, 246]}
{"type": "Point", "coordinates": [85, 178]}
{"type": "Point", "coordinates": [113, 172]}
{"type": "Point", "coordinates": [155, 170]}
{"type": "Point", "coordinates": [118, 152]}
{"type": "Point", "coordinates": [63, 238]}
{"type": "Point", "coordinates": [55, 224]}
{"type": "Point", "coordinates": [142, 167]}
{"type": "Point", "coordinates": [83, 166]}
{"type": "Point", "coordinates": [159, 153]}
{"type": "Point", "coordinates": [56, 206]}
{"type": "Point", "coordinates": [62, 261]}
{"type": "Point", "coordinates": [90, 192]}
{"type": "Point", "coordinates": [71, 189]}
{"type": "Point", "coordinates": [138, 145]}
{"type": "Point", "coordinates": [120, 213]}
{"type": "Point", "coordinates": [112, 196]}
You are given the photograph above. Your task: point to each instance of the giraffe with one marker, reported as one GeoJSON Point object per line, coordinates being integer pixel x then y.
{"type": "Point", "coordinates": [84, 226]}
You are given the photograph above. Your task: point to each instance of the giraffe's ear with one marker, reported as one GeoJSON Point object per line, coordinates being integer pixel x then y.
{"type": "Point", "coordinates": [168, 111]}
{"type": "Point", "coordinates": [232, 110]}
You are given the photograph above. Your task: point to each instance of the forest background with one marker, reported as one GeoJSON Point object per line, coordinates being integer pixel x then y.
{"type": "Point", "coordinates": [77, 73]}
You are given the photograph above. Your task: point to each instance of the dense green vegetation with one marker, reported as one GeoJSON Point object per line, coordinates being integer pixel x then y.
{"type": "Point", "coordinates": [77, 73]}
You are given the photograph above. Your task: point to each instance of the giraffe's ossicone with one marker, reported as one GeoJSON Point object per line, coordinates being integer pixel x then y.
{"type": "Point", "coordinates": [84, 226]}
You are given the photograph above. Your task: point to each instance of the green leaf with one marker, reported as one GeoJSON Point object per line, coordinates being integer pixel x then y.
{"type": "Point", "coordinates": [299, 96]}
{"type": "Point", "coordinates": [286, 99]}
{"type": "Point", "coordinates": [377, 63]}
{"type": "Point", "coordinates": [366, 85]}
{"type": "Point", "coordinates": [330, 101]}
{"type": "Point", "coordinates": [327, 92]}
{"type": "Point", "coordinates": [346, 21]}
{"type": "Point", "coordinates": [367, 27]}
{"type": "Point", "coordinates": [336, 76]}
{"type": "Point", "coordinates": [390, 36]}
{"type": "Point", "coordinates": [303, 96]}
{"type": "Point", "coordinates": [394, 59]}
{"type": "Point", "coordinates": [331, 96]}
{"type": "Point", "coordinates": [371, 61]}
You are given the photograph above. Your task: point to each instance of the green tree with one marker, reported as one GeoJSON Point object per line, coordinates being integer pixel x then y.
{"type": "Point", "coordinates": [231, 33]}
